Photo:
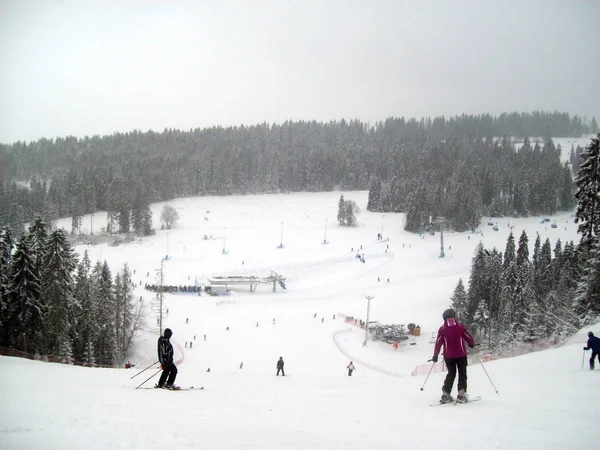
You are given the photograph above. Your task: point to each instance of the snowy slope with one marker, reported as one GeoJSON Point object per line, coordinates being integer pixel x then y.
{"type": "Point", "coordinates": [545, 400]}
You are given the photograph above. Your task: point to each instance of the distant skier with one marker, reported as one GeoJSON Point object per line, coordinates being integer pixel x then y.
{"type": "Point", "coordinates": [280, 364]}
{"type": "Point", "coordinates": [350, 368]}
{"type": "Point", "coordinates": [165, 357]}
{"type": "Point", "coordinates": [593, 343]}
{"type": "Point", "coordinates": [452, 335]}
{"type": "Point", "coordinates": [241, 364]}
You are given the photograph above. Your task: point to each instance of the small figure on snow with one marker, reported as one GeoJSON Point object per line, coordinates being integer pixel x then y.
{"type": "Point", "coordinates": [190, 344]}
{"type": "Point", "coordinates": [451, 336]}
{"type": "Point", "coordinates": [593, 343]}
{"type": "Point", "coordinates": [185, 344]}
{"type": "Point", "coordinates": [165, 357]}
{"type": "Point", "coordinates": [322, 319]}
{"type": "Point", "coordinates": [280, 364]}
{"type": "Point", "coordinates": [194, 337]}
{"type": "Point", "coordinates": [350, 368]}
{"type": "Point", "coordinates": [257, 323]}
{"type": "Point", "coordinates": [241, 364]}
{"type": "Point", "coordinates": [204, 337]}
{"type": "Point", "coordinates": [187, 320]}
{"type": "Point", "coordinates": [128, 365]}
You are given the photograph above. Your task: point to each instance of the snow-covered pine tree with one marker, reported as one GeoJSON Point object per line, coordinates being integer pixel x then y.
{"type": "Point", "coordinates": [86, 326]}
{"type": "Point", "coordinates": [128, 310]}
{"type": "Point", "coordinates": [105, 344]}
{"type": "Point", "coordinates": [459, 300]}
{"type": "Point", "coordinates": [478, 288]}
{"type": "Point", "coordinates": [341, 215]}
{"type": "Point", "coordinates": [510, 255]}
{"type": "Point", "coordinates": [38, 235]}
{"type": "Point", "coordinates": [587, 300]}
{"type": "Point", "coordinates": [523, 249]}
{"type": "Point", "coordinates": [374, 202]}
{"type": "Point", "coordinates": [57, 286]}
{"type": "Point", "coordinates": [25, 317]}
{"type": "Point", "coordinates": [587, 214]}
{"type": "Point", "coordinates": [6, 246]}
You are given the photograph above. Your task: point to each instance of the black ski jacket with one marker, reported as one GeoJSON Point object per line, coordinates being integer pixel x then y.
{"type": "Point", "coordinates": [280, 364]}
{"type": "Point", "coordinates": [165, 351]}
{"type": "Point", "coordinates": [593, 343]}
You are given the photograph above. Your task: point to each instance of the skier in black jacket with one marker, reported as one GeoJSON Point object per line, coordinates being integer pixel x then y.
{"type": "Point", "coordinates": [165, 357]}
{"type": "Point", "coordinates": [593, 343]}
{"type": "Point", "coordinates": [280, 366]}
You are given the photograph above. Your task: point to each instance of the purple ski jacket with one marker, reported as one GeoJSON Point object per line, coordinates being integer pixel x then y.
{"type": "Point", "coordinates": [452, 335]}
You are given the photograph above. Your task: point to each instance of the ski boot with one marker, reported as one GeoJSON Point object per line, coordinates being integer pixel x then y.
{"type": "Point", "coordinates": [446, 397]}
{"type": "Point", "coordinates": [172, 387]}
{"type": "Point", "coordinates": [462, 396]}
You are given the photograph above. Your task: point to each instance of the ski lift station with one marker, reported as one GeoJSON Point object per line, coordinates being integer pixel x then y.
{"type": "Point", "coordinates": [220, 285]}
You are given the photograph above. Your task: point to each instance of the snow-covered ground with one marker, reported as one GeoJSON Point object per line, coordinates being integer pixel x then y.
{"type": "Point", "coordinates": [545, 400]}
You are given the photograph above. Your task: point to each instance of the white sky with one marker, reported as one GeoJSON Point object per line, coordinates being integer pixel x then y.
{"type": "Point", "coordinates": [96, 67]}
{"type": "Point", "coordinates": [545, 400]}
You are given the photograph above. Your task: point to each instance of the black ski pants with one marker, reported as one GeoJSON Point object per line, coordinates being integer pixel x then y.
{"type": "Point", "coordinates": [453, 365]}
{"type": "Point", "coordinates": [280, 369]}
{"type": "Point", "coordinates": [169, 371]}
{"type": "Point", "coordinates": [594, 354]}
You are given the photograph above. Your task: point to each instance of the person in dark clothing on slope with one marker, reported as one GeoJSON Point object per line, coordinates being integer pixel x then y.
{"type": "Point", "coordinates": [350, 368]}
{"type": "Point", "coordinates": [280, 366]}
{"type": "Point", "coordinates": [452, 335]}
{"type": "Point", "coordinates": [165, 357]}
{"type": "Point", "coordinates": [593, 344]}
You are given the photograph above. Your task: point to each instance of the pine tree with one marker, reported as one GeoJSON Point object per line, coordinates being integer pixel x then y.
{"type": "Point", "coordinates": [459, 300]}
{"type": "Point", "coordinates": [6, 247]}
{"type": "Point", "coordinates": [588, 216]}
{"type": "Point", "coordinates": [105, 344]}
{"type": "Point", "coordinates": [478, 288]}
{"type": "Point", "coordinates": [588, 192]}
{"type": "Point", "coordinates": [523, 249]}
{"type": "Point", "coordinates": [86, 319]}
{"type": "Point", "coordinates": [510, 255]}
{"type": "Point", "coordinates": [57, 294]}
{"type": "Point", "coordinates": [341, 215]}
{"type": "Point", "coordinates": [25, 309]}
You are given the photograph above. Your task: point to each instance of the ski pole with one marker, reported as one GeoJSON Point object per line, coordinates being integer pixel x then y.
{"type": "Point", "coordinates": [427, 378]}
{"type": "Point", "coordinates": [143, 370]}
{"type": "Point", "coordinates": [582, 360]}
{"type": "Point", "coordinates": [148, 379]}
{"type": "Point", "coordinates": [486, 372]}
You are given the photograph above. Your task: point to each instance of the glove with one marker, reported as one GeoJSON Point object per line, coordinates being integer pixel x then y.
{"type": "Point", "coordinates": [162, 367]}
{"type": "Point", "coordinates": [434, 359]}
{"type": "Point", "coordinates": [585, 348]}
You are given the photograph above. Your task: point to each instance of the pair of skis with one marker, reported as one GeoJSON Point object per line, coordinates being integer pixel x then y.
{"type": "Point", "coordinates": [178, 388]}
{"type": "Point", "coordinates": [456, 402]}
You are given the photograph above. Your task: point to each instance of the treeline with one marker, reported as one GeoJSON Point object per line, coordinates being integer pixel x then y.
{"type": "Point", "coordinates": [124, 173]}
{"type": "Point", "coordinates": [53, 304]}
{"type": "Point", "coordinates": [463, 180]}
{"type": "Point", "coordinates": [512, 297]}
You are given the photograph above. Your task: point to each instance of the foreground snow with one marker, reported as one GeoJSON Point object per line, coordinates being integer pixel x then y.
{"type": "Point", "coordinates": [545, 400]}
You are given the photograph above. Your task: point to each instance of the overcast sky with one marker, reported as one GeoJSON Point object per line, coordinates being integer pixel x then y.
{"type": "Point", "coordinates": [95, 67]}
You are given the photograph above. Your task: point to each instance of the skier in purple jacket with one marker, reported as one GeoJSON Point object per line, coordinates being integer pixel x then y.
{"type": "Point", "coordinates": [452, 335]}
